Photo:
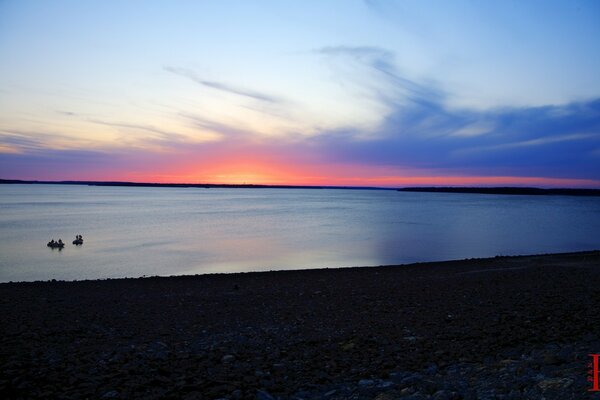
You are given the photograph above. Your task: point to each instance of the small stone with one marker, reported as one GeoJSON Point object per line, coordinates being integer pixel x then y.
{"type": "Point", "coordinates": [412, 380]}
{"type": "Point", "coordinates": [552, 359]}
{"type": "Point", "coordinates": [366, 382]}
{"type": "Point", "coordinates": [385, 396]}
{"type": "Point", "coordinates": [397, 377]}
{"type": "Point", "coordinates": [227, 359]}
{"type": "Point", "coordinates": [348, 346]}
{"type": "Point", "coordinates": [112, 394]}
{"type": "Point", "coordinates": [386, 385]}
{"type": "Point", "coordinates": [158, 351]}
{"type": "Point", "coordinates": [262, 395]}
{"type": "Point", "coordinates": [432, 369]}
{"type": "Point", "coordinates": [442, 395]}
{"type": "Point", "coordinates": [407, 391]}
{"type": "Point", "coordinates": [555, 383]}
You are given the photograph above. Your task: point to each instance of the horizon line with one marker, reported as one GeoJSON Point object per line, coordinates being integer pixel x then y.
{"type": "Point", "coordinates": [430, 188]}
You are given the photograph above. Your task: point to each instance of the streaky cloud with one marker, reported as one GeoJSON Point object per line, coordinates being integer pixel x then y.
{"type": "Point", "coordinates": [163, 135]}
{"type": "Point", "coordinates": [225, 130]}
{"type": "Point", "coordinates": [32, 141]}
{"type": "Point", "coordinates": [191, 75]}
{"type": "Point", "coordinates": [536, 142]}
{"type": "Point", "coordinates": [19, 143]}
{"type": "Point", "coordinates": [381, 62]}
{"type": "Point", "coordinates": [68, 113]}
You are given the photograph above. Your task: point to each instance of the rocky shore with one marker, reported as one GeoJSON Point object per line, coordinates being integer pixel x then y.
{"type": "Point", "coordinates": [501, 328]}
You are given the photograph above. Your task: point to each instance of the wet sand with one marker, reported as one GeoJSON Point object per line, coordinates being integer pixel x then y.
{"type": "Point", "coordinates": [505, 327]}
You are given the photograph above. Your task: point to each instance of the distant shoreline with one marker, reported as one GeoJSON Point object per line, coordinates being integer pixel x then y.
{"type": "Point", "coordinates": [185, 185]}
{"type": "Point", "coordinates": [507, 190]}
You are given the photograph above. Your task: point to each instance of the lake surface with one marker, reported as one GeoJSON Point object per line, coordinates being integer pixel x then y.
{"type": "Point", "coordinates": [131, 232]}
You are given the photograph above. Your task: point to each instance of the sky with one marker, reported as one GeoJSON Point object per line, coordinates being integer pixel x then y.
{"type": "Point", "coordinates": [359, 93]}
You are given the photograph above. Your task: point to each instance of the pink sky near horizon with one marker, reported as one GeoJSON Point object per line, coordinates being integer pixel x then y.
{"type": "Point", "coordinates": [271, 172]}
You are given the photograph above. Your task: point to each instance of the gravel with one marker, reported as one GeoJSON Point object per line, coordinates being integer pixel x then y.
{"type": "Point", "coordinates": [501, 328]}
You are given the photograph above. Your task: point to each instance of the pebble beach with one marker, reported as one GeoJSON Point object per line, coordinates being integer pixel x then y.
{"type": "Point", "coordinates": [498, 328]}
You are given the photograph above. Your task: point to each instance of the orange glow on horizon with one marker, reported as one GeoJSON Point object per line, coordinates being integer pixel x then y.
{"type": "Point", "coordinates": [272, 171]}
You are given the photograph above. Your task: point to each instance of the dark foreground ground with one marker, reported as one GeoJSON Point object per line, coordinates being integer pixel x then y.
{"type": "Point", "coordinates": [506, 328]}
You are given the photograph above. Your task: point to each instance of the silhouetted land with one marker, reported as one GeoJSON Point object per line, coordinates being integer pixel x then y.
{"type": "Point", "coordinates": [505, 190]}
{"type": "Point", "coordinates": [480, 190]}
{"type": "Point", "coordinates": [181, 185]}
{"type": "Point", "coordinates": [505, 327]}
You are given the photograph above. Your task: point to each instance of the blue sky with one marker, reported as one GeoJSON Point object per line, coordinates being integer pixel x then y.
{"type": "Point", "coordinates": [336, 92]}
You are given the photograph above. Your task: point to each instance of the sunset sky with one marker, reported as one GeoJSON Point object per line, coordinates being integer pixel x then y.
{"type": "Point", "coordinates": [361, 93]}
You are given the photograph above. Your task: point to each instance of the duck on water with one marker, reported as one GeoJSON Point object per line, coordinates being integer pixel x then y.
{"type": "Point", "coordinates": [78, 240]}
{"type": "Point", "coordinates": [60, 244]}
{"type": "Point", "coordinates": [56, 245]}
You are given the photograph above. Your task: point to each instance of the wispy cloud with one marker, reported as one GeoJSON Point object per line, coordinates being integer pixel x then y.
{"type": "Point", "coordinates": [68, 113]}
{"type": "Point", "coordinates": [225, 87]}
{"type": "Point", "coordinates": [381, 62]}
{"type": "Point", "coordinates": [541, 141]}
{"type": "Point", "coordinates": [160, 134]}
{"type": "Point", "coordinates": [228, 132]}
{"type": "Point", "coordinates": [20, 141]}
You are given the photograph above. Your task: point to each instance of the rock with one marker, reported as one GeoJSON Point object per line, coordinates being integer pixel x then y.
{"type": "Point", "coordinates": [385, 384]}
{"type": "Point", "coordinates": [429, 387]}
{"type": "Point", "coordinates": [407, 391]}
{"type": "Point", "coordinates": [552, 359]}
{"type": "Point", "coordinates": [397, 377]}
{"type": "Point", "coordinates": [411, 380]}
{"type": "Point", "coordinates": [227, 359]}
{"type": "Point", "coordinates": [555, 383]}
{"type": "Point", "coordinates": [366, 382]}
{"type": "Point", "coordinates": [432, 369]}
{"type": "Point", "coordinates": [262, 395]}
{"type": "Point", "coordinates": [443, 395]}
{"type": "Point", "coordinates": [348, 346]}
{"type": "Point", "coordinates": [385, 396]}
{"type": "Point", "coordinates": [278, 367]}
{"type": "Point", "coordinates": [158, 351]}
{"type": "Point", "coordinates": [113, 394]}
{"type": "Point", "coordinates": [418, 396]}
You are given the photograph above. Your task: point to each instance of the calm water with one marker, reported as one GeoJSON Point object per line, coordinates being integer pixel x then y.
{"type": "Point", "coordinates": [130, 232]}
